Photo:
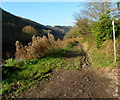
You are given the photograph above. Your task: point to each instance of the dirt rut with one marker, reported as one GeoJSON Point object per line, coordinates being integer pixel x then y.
{"type": "Point", "coordinates": [81, 83]}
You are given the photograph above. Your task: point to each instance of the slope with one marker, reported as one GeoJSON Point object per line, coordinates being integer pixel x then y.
{"type": "Point", "coordinates": [17, 28]}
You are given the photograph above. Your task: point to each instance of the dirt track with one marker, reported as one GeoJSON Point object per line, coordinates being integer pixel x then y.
{"type": "Point", "coordinates": [73, 84]}
{"type": "Point", "coordinates": [82, 83]}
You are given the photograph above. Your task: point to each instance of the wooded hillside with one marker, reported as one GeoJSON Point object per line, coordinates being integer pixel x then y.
{"type": "Point", "coordinates": [17, 28]}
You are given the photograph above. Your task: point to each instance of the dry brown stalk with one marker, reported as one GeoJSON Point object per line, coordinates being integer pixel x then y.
{"type": "Point", "coordinates": [39, 47]}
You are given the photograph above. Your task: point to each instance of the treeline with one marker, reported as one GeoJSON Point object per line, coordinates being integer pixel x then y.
{"type": "Point", "coordinates": [96, 20]}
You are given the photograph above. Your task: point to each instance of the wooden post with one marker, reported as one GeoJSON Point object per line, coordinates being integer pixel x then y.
{"type": "Point", "coordinates": [114, 41]}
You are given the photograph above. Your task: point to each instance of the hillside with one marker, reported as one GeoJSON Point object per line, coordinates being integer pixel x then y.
{"type": "Point", "coordinates": [61, 30]}
{"type": "Point", "coordinates": [17, 28]}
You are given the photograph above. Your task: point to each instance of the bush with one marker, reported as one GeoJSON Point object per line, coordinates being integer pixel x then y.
{"type": "Point", "coordinates": [29, 30]}
{"type": "Point", "coordinates": [83, 27]}
{"type": "Point", "coordinates": [102, 29]}
{"type": "Point", "coordinates": [74, 33]}
{"type": "Point", "coordinates": [39, 47]}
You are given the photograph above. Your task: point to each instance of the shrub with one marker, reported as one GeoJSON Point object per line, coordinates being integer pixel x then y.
{"type": "Point", "coordinates": [29, 30]}
{"type": "Point", "coordinates": [82, 28]}
{"type": "Point", "coordinates": [39, 47]}
{"type": "Point", "coordinates": [102, 29]}
{"type": "Point", "coordinates": [74, 33]}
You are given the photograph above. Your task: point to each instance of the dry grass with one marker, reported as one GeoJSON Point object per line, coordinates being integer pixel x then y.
{"type": "Point", "coordinates": [38, 48]}
{"type": "Point", "coordinates": [69, 40]}
{"type": "Point", "coordinates": [103, 57]}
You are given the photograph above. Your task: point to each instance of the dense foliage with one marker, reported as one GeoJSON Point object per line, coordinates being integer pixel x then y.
{"type": "Point", "coordinates": [102, 29]}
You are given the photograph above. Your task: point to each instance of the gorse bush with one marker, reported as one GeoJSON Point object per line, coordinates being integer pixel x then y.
{"type": "Point", "coordinates": [39, 47]}
{"type": "Point", "coordinates": [102, 29]}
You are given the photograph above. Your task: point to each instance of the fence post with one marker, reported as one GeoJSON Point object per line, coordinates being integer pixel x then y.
{"type": "Point", "coordinates": [114, 41]}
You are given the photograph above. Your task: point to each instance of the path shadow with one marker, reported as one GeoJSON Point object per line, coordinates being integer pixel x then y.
{"type": "Point", "coordinates": [72, 54]}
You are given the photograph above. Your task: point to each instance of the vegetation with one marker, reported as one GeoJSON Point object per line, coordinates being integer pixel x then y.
{"type": "Point", "coordinates": [29, 30]}
{"type": "Point", "coordinates": [102, 57]}
{"type": "Point", "coordinates": [74, 33]}
{"type": "Point", "coordinates": [93, 10]}
{"type": "Point", "coordinates": [82, 27]}
{"type": "Point", "coordinates": [43, 54]}
{"type": "Point", "coordinates": [39, 47]}
{"type": "Point", "coordinates": [26, 73]}
{"type": "Point", "coordinates": [19, 75]}
{"type": "Point", "coordinates": [102, 29]}
{"type": "Point", "coordinates": [16, 28]}
{"type": "Point", "coordinates": [60, 30]}
{"type": "Point", "coordinates": [96, 19]}
{"type": "Point", "coordinates": [96, 32]}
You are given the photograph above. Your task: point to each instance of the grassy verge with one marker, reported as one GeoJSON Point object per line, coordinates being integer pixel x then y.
{"type": "Point", "coordinates": [102, 57]}
{"type": "Point", "coordinates": [20, 75]}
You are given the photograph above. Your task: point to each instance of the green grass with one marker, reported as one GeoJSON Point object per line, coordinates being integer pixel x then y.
{"type": "Point", "coordinates": [101, 59]}
{"type": "Point", "coordinates": [20, 75]}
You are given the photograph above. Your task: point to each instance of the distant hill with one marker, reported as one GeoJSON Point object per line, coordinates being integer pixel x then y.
{"type": "Point", "coordinates": [17, 28]}
{"type": "Point", "coordinates": [61, 30]}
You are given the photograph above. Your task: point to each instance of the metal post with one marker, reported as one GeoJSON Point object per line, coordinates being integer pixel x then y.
{"type": "Point", "coordinates": [114, 41]}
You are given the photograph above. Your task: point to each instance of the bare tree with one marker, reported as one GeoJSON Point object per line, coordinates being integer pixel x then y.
{"type": "Point", "coordinates": [93, 10]}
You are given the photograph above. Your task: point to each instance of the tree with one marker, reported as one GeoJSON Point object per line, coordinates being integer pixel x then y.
{"type": "Point", "coordinates": [84, 26]}
{"type": "Point", "coordinates": [89, 15]}
{"type": "Point", "coordinates": [102, 29]}
{"type": "Point", "coordinates": [93, 10]}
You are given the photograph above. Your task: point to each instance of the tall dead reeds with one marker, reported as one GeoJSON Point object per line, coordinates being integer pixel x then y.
{"type": "Point", "coordinates": [39, 47]}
